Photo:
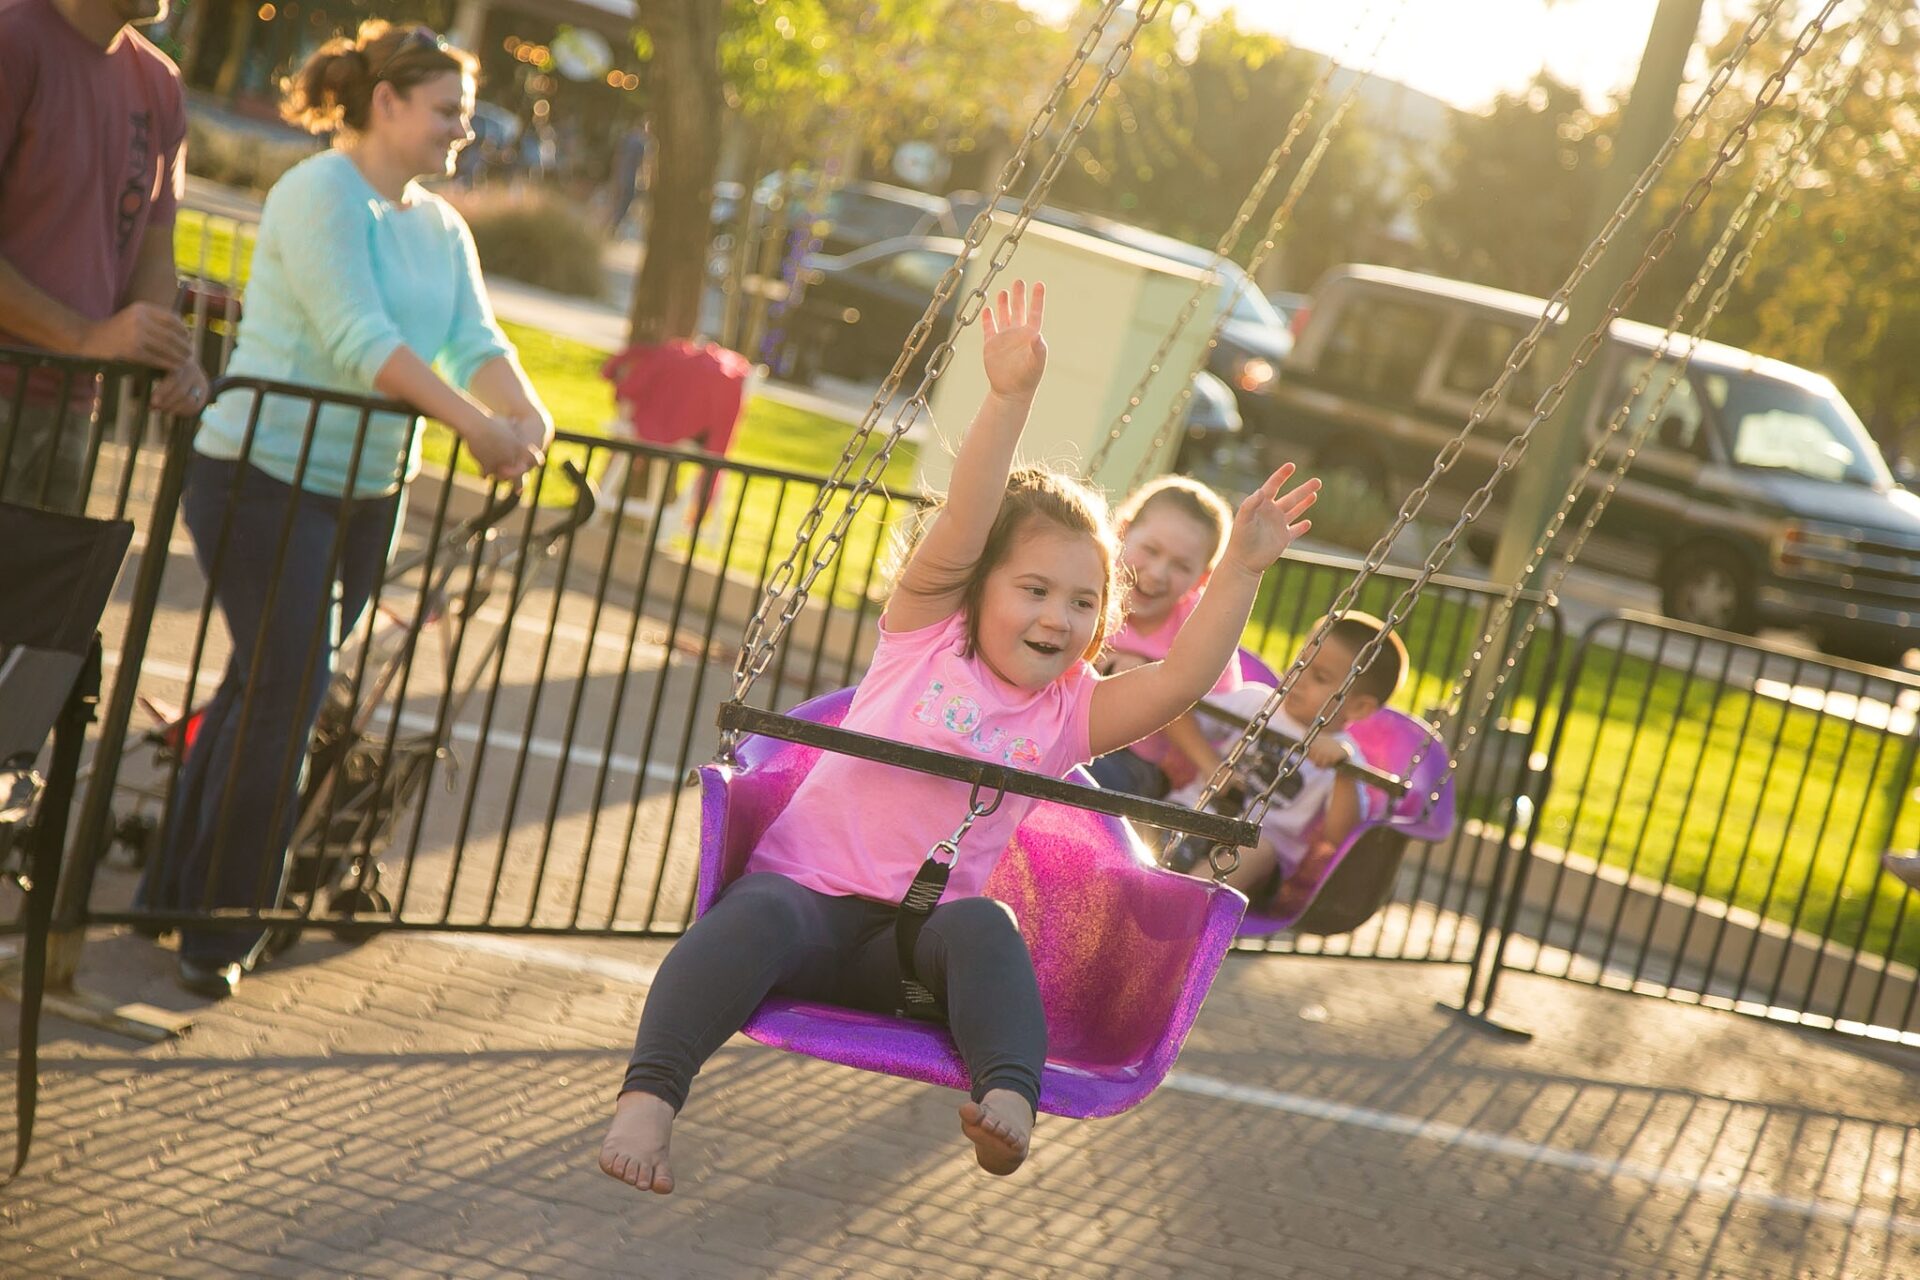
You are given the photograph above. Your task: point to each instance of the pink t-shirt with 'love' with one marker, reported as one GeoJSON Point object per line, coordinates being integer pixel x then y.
{"type": "Point", "coordinates": [858, 828]}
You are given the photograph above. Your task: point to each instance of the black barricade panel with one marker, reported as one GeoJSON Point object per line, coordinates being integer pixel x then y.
{"type": "Point", "coordinates": [59, 572]}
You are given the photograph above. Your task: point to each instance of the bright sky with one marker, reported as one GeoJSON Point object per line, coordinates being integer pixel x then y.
{"type": "Point", "coordinates": [1464, 51]}
{"type": "Point", "coordinates": [1467, 51]}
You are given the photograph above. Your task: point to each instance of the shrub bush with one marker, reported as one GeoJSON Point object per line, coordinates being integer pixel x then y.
{"type": "Point", "coordinates": [535, 238]}
{"type": "Point", "coordinates": [243, 157]}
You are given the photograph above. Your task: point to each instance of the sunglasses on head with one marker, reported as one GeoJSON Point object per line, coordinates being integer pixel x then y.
{"type": "Point", "coordinates": [415, 38]}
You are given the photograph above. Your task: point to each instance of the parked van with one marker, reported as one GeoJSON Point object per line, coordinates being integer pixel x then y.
{"type": "Point", "coordinates": [1759, 498]}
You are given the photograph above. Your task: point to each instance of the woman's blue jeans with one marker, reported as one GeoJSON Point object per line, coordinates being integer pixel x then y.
{"type": "Point", "coordinates": [237, 796]}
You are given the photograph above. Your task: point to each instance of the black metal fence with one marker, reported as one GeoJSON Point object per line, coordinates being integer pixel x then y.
{"type": "Point", "coordinates": [73, 439]}
{"type": "Point", "coordinates": [1714, 826]}
{"type": "Point", "coordinates": [504, 741]}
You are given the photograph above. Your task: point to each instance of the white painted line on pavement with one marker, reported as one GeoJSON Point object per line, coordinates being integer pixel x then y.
{"type": "Point", "coordinates": [636, 972]}
{"type": "Point", "coordinates": [1451, 1135]}
{"type": "Point", "coordinates": [641, 973]}
{"type": "Point", "coordinates": [541, 748]}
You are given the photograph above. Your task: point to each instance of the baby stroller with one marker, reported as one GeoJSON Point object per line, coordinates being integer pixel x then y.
{"type": "Point", "coordinates": [364, 770]}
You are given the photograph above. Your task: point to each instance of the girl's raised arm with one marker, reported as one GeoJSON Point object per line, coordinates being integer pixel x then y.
{"type": "Point", "coordinates": [1015, 355]}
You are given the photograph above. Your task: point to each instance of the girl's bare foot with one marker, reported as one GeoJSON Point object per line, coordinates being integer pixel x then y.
{"type": "Point", "coordinates": [635, 1148]}
{"type": "Point", "coordinates": [1000, 1126]}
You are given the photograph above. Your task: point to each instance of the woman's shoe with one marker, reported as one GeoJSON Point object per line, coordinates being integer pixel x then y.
{"type": "Point", "coordinates": [209, 978]}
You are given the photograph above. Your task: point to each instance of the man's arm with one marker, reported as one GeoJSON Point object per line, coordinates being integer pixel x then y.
{"type": "Point", "coordinates": [141, 332]}
{"type": "Point", "coordinates": [155, 279]}
{"type": "Point", "coordinates": [155, 283]}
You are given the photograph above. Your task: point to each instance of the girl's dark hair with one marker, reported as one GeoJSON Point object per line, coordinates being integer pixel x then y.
{"type": "Point", "coordinates": [1034, 493]}
{"type": "Point", "coordinates": [1187, 496]}
{"type": "Point", "coordinates": [334, 89]}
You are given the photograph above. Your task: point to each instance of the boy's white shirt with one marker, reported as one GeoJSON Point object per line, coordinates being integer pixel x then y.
{"type": "Point", "coordinates": [1287, 822]}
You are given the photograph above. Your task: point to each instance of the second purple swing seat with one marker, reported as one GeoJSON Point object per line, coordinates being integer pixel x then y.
{"type": "Point", "coordinates": [1359, 880]}
{"type": "Point", "coordinates": [1124, 950]}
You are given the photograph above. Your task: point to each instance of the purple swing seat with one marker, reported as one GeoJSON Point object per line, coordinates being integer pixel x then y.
{"type": "Point", "coordinates": [1124, 950]}
{"type": "Point", "coordinates": [1390, 741]}
{"type": "Point", "coordinates": [1393, 742]}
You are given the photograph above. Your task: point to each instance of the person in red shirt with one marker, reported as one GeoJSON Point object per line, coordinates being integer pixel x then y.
{"type": "Point", "coordinates": [93, 129]}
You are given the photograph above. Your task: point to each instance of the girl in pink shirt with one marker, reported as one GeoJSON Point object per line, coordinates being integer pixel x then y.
{"type": "Point", "coordinates": [1173, 531]}
{"type": "Point", "coordinates": [985, 648]}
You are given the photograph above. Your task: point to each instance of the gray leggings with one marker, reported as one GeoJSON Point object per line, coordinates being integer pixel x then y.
{"type": "Point", "coordinates": [768, 934]}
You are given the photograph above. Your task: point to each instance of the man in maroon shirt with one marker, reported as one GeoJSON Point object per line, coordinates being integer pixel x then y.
{"type": "Point", "coordinates": [92, 165]}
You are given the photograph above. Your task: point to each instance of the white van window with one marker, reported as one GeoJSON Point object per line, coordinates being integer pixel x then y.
{"type": "Point", "coordinates": [1480, 353]}
{"type": "Point", "coordinates": [1379, 348]}
{"type": "Point", "coordinates": [1681, 417]}
{"type": "Point", "coordinates": [1787, 428]}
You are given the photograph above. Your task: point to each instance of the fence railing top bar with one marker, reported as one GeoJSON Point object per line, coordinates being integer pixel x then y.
{"type": "Point", "coordinates": [33, 358]}
{"type": "Point", "coordinates": [1747, 644]}
{"type": "Point", "coordinates": [673, 453]}
{"type": "Point", "coordinates": [311, 394]}
{"type": "Point", "coordinates": [1402, 573]}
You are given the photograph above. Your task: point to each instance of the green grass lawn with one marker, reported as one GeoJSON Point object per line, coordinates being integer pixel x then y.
{"type": "Point", "coordinates": [754, 520]}
{"type": "Point", "coordinates": [1722, 771]}
{"type": "Point", "coordinates": [1737, 771]}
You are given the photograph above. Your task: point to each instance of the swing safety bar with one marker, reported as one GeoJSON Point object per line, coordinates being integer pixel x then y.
{"type": "Point", "coordinates": [1220, 829]}
{"type": "Point", "coordinates": [1392, 784]}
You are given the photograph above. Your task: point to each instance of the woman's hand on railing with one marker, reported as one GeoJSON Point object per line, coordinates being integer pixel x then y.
{"type": "Point", "coordinates": [499, 448]}
{"type": "Point", "coordinates": [535, 428]}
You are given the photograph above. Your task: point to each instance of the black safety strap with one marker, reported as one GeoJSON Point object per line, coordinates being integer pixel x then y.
{"type": "Point", "coordinates": [923, 895]}
{"type": "Point", "coordinates": [917, 1000]}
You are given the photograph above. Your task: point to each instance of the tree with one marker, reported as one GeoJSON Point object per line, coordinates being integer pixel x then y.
{"type": "Point", "coordinates": [684, 39]}
{"type": "Point", "coordinates": [1836, 286]}
{"type": "Point", "coordinates": [805, 75]}
{"type": "Point", "coordinates": [1514, 192]}
{"type": "Point", "coordinates": [1188, 129]}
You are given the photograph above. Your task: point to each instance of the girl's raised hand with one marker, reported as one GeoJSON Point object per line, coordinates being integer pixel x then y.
{"type": "Point", "coordinates": [1269, 521]}
{"type": "Point", "coordinates": [1015, 354]}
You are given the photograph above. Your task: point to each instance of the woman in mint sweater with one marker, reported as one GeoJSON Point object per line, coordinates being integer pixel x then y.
{"type": "Point", "coordinates": [362, 282]}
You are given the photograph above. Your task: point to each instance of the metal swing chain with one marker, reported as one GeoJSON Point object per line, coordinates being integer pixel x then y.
{"type": "Point", "coordinates": [1449, 452]}
{"type": "Point", "coordinates": [1730, 149]}
{"type": "Point", "coordinates": [1282, 215]}
{"type": "Point", "coordinates": [1222, 250]}
{"type": "Point", "coordinates": [1795, 150]}
{"type": "Point", "coordinates": [760, 639]}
